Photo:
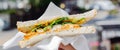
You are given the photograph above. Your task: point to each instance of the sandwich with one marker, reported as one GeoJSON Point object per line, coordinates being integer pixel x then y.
{"type": "Point", "coordinates": [37, 30]}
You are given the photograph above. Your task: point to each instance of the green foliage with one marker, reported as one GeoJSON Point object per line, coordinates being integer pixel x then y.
{"type": "Point", "coordinates": [8, 11]}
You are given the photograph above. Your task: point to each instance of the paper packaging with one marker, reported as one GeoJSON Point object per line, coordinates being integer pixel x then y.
{"type": "Point", "coordinates": [79, 42]}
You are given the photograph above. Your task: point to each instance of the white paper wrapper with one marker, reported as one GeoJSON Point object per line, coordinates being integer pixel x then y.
{"type": "Point", "coordinates": [79, 42]}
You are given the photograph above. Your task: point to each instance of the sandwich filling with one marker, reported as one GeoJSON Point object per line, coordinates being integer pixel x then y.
{"type": "Point", "coordinates": [56, 25]}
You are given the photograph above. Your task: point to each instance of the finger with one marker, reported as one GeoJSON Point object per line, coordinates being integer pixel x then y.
{"type": "Point", "coordinates": [69, 47]}
{"type": "Point", "coordinates": [61, 47]}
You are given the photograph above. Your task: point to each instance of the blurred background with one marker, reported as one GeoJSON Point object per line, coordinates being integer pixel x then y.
{"type": "Point", "coordinates": [107, 21]}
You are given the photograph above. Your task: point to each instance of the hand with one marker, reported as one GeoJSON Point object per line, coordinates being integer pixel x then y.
{"type": "Point", "coordinates": [67, 47]}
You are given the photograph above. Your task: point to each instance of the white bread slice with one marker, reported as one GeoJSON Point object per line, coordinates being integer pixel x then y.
{"type": "Point", "coordinates": [70, 32]}
{"type": "Point", "coordinates": [28, 25]}
{"type": "Point", "coordinates": [33, 40]}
